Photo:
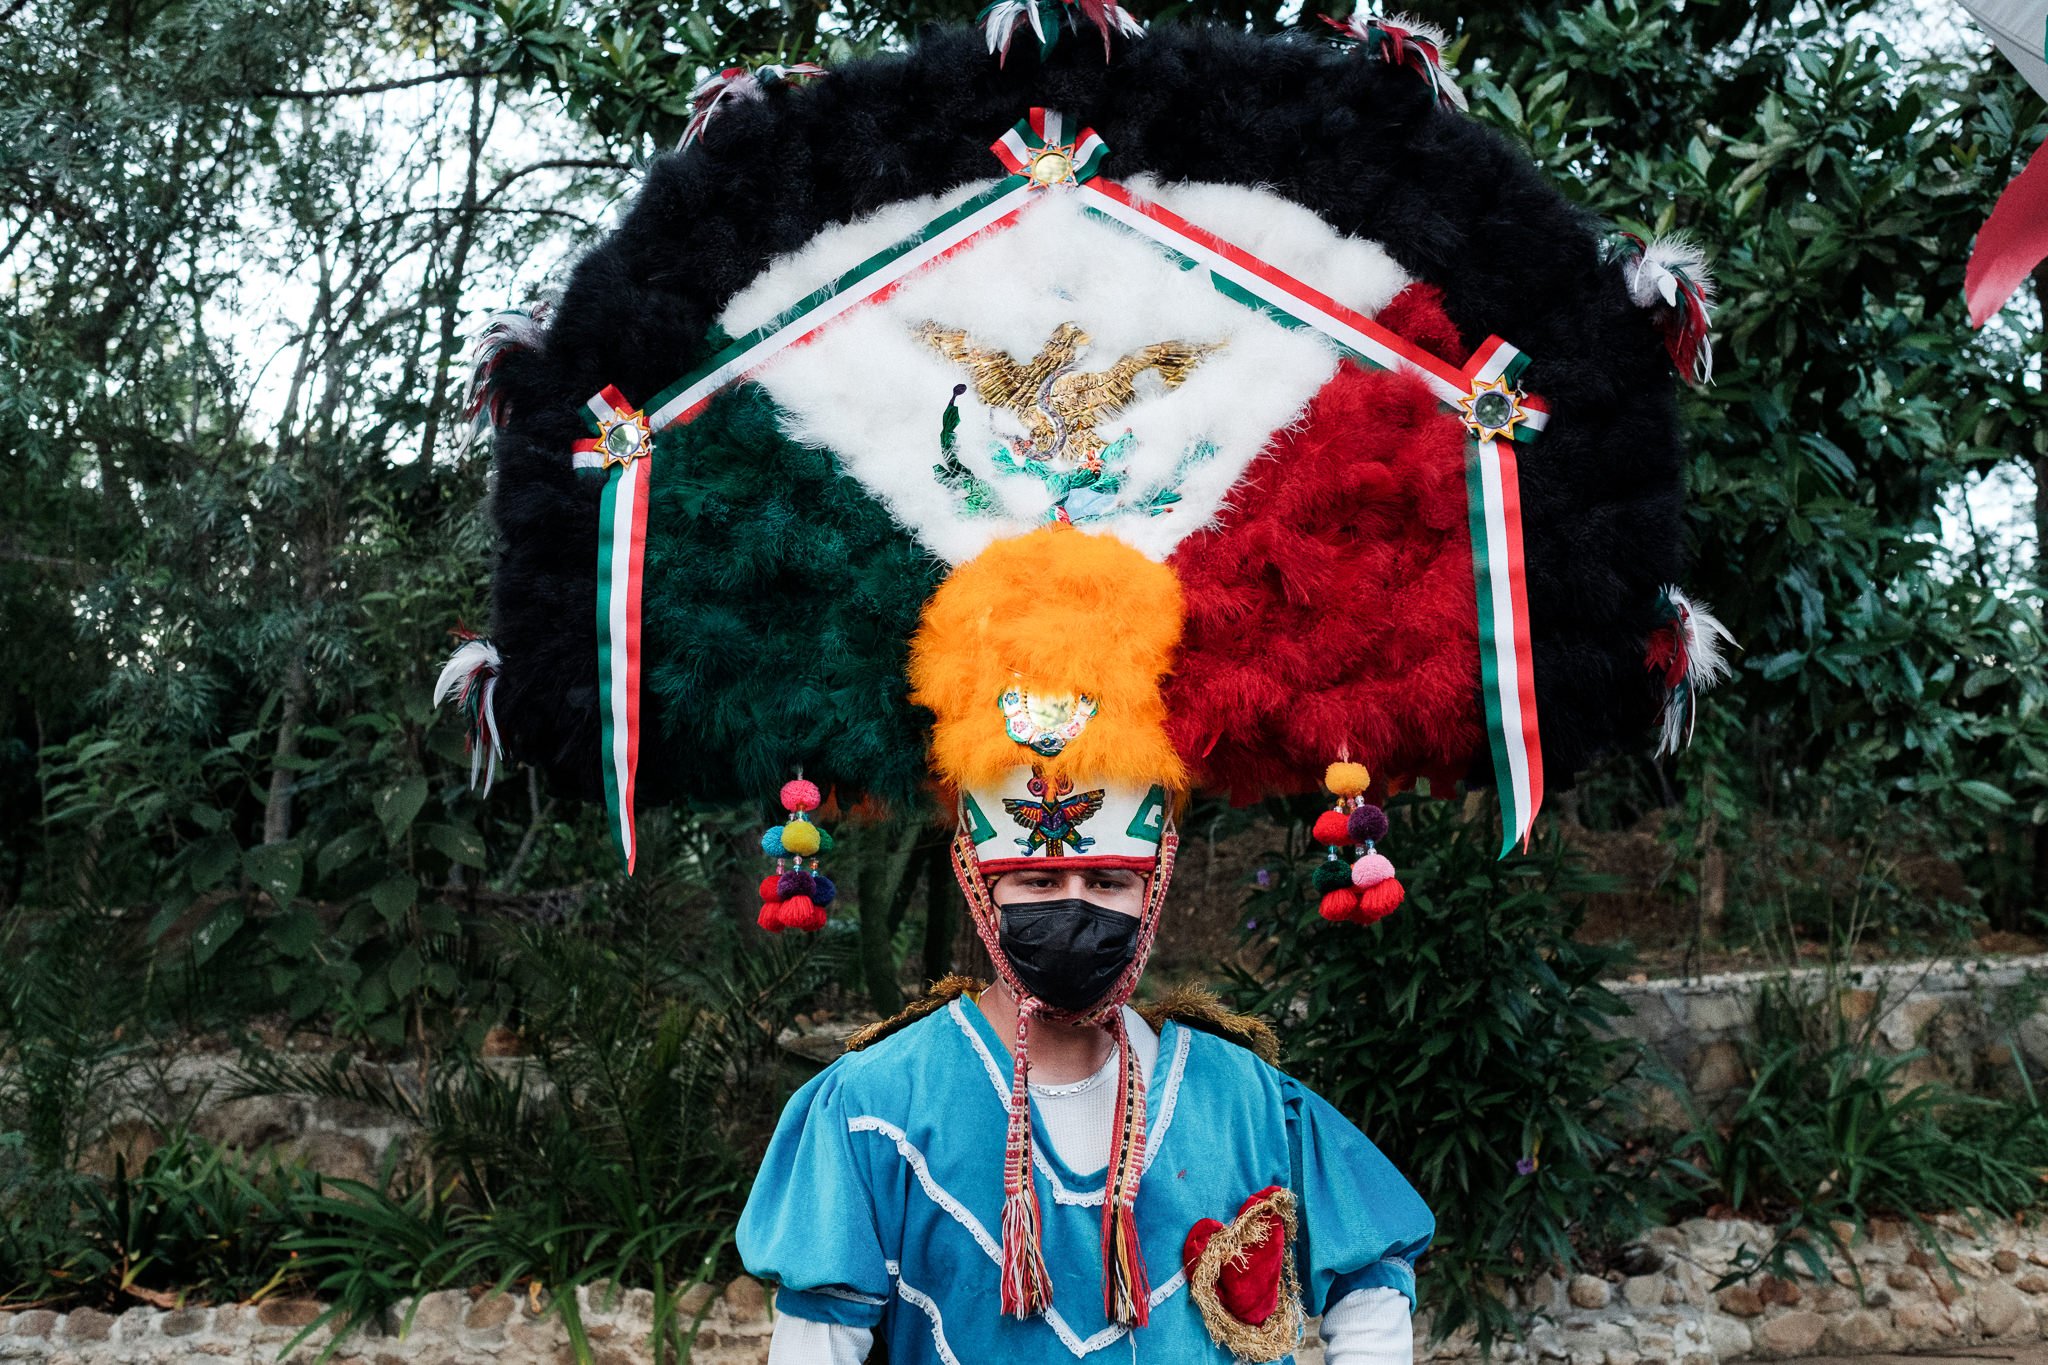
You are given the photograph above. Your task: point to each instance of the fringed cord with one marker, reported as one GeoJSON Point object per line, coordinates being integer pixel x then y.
{"type": "Point", "coordinates": [1026, 1284]}
{"type": "Point", "coordinates": [1126, 1293]}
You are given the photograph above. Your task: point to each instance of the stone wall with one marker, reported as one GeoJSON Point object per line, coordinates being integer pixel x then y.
{"type": "Point", "coordinates": [1969, 1016]}
{"type": "Point", "coordinates": [1994, 1289]}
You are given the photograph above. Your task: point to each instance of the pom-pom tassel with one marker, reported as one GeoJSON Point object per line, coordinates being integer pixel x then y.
{"type": "Point", "coordinates": [1685, 652]}
{"type": "Point", "coordinates": [471, 677]}
{"type": "Point", "coordinates": [1405, 41]}
{"type": "Point", "coordinates": [1379, 900]}
{"type": "Point", "coordinates": [1338, 906]}
{"type": "Point", "coordinates": [1669, 275]}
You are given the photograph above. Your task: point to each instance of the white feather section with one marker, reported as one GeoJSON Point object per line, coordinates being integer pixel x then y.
{"type": "Point", "coordinates": [468, 657]}
{"type": "Point", "coordinates": [1706, 664]}
{"type": "Point", "coordinates": [1653, 276]}
{"type": "Point", "coordinates": [870, 391]}
{"type": "Point", "coordinates": [1127, 23]}
{"type": "Point", "coordinates": [475, 663]}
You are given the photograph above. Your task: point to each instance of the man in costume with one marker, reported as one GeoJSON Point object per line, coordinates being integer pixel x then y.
{"type": "Point", "coordinates": [1160, 1177]}
{"type": "Point", "coordinates": [1082, 423]}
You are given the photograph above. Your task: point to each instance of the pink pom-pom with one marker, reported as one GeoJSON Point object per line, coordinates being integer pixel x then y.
{"type": "Point", "coordinates": [800, 912]}
{"type": "Point", "coordinates": [1339, 905]}
{"type": "Point", "coordinates": [800, 794]}
{"type": "Point", "coordinates": [1370, 871]}
{"type": "Point", "coordinates": [1332, 827]}
{"type": "Point", "coordinates": [1379, 901]}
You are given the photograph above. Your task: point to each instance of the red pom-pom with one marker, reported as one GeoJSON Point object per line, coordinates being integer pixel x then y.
{"type": "Point", "coordinates": [771, 916]}
{"type": "Point", "coordinates": [800, 794]}
{"type": "Point", "coordinates": [1333, 827]}
{"type": "Point", "coordinates": [801, 912]}
{"type": "Point", "coordinates": [1379, 900]}
{"type": "Point", "coordinates": [1338, 906]}
{"type": "Point", "coordinates": [771, 886]}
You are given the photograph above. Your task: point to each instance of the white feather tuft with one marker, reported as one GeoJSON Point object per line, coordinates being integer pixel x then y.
{"type": "Point", "coordinates": [1418, 28]}
{"type": "Point", "coordinates": [1706, 663]}
{"type": "Point", "coordinates": [999, 25]}
{"type": "Point", "coordinates": [1655, 276]}
{"type": "Point", "coordinates": [468, 657]}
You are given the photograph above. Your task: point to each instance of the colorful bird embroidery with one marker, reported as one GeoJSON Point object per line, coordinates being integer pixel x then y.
{"type": "Point", "coordinates": [1054, 819]}
{"type": "Point", "coordinates": [1059, 406]}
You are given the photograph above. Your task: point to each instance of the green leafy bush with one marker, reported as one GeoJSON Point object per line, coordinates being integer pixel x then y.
{"type": "Point", "coordinates": [1464, 1035]}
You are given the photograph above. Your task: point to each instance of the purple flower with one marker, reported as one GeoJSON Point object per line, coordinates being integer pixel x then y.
{"type": "Point", "coordinates": [1251, 924]}
{"type": "Point", "coordinates": [1526, 1166]}
{"type": "Point", "coordinates": [1264, 877]}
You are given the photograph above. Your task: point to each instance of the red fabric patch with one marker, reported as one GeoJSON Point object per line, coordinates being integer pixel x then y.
{"type": "Point", "coordinates": [1249, 1291]}
{"type": "Point", "coordinates": [1331, 611]}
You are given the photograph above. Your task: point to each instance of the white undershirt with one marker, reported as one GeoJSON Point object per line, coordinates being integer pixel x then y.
{"type": "Point", "coordinates": [1365, 1327]}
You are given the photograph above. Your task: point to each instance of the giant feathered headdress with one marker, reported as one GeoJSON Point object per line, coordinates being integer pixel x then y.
{"type": "Point", "coordinates": [1193, 416]}
{"type": "Point", "coordinates": [1081, 425]}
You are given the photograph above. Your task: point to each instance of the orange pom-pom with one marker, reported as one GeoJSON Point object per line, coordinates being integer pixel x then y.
{"type": "Point", "coordinates": [1347, 779]}
{"type": "Point", "coordinates": [1379, 900]}
{"type": "Point", "coordinates": [771, 886]}
{"type": "Point", "coordinates": [771, 916]}
{"type": "Point", "coordinates": [801, 912]}
{"type": "Point", "coordinates": [1333, 827]}
{"type": "Point", "coordinates": [1338, 906]}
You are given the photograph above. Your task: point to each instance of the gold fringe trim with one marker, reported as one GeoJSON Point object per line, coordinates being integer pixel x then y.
{"type": "Point", "coordinates": [1197, 1007]}
{"type": "Point", "coordinates": [942, 993]}
{"type": "Point", "coordinates": [1279, 1334]}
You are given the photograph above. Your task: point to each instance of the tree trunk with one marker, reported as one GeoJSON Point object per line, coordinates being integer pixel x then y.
{"type": "Point", "coordinates": [277, 810]}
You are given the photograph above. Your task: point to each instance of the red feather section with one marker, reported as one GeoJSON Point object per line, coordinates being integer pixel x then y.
{"type": "Point", "coordinates": [1330, 612]}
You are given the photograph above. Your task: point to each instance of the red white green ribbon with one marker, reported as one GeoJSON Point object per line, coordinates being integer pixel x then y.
{"type": "Point", "coordinates": [1041, 155]}
{"type": "Point", "coordinates": [1038, 148]}
{"type": "Point", "coordinates": [1500, 573]}
{"type": "Point", "coordinates": [624, 447]}
{"type": "Point", "coordinates": [1484, 396]}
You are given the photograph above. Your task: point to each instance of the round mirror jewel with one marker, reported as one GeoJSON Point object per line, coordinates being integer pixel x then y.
{"type": "Point", "coordinates": [1051, 167]}
{"type": "Point", "coordinates": [1493, 409]}
{"type": "Point", "coordinates": [622, 442]}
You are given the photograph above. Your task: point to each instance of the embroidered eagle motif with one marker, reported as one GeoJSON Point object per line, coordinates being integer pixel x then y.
{"type": "Point", "coordinates": [1059, 405]}
{"type": "Point", "coordinates": [1054, 820]}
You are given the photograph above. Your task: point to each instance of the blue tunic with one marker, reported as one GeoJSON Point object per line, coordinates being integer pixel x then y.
{"type": "Point", "coordinates": [879, 1202]}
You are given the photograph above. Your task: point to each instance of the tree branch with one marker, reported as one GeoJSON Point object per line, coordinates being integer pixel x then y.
{"type": "Point", "coordinates": [270, 92]}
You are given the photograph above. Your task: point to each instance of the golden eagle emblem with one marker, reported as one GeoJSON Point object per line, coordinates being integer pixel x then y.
{"type": "Point", "coordinates": [1059, 404]}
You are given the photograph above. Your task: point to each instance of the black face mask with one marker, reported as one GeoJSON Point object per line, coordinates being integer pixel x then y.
{"type": "Point", "coordinates": [1068, 953]}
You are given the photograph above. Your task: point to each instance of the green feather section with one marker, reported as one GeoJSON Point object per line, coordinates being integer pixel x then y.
{"type": "Point", "coordinates": [777, 608]}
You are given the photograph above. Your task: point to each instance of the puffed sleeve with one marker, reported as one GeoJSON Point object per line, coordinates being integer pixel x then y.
{"type": "Point", "coordinates": [1362, 1225]}
{"type": "Point", "coordinates": [809, 1226]}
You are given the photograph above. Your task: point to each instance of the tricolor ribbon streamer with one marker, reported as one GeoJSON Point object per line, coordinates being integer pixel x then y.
{"type": "Point", "coordinates": [1040, 159]}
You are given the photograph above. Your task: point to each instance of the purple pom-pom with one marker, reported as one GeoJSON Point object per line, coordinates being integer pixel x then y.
{"type": "Point", "coordinates": [1368, 825]}
{"type": "Point", "coordinates": [797, 883]}
{"type": "Point", "coordinates": [823, 893]}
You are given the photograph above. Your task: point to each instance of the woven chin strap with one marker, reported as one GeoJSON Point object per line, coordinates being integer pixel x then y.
{"type": "Point", "coordinates": [1027, 1286]}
